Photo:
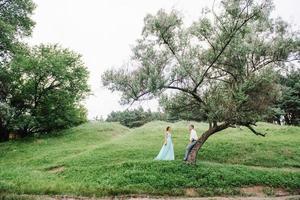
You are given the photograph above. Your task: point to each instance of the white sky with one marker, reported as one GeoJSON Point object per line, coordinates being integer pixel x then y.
{"type": "Point", "coordinates": [103, 31]}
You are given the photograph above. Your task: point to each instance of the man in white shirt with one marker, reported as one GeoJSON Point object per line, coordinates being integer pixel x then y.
{"type": "Point", "coordinates": [193, 140]}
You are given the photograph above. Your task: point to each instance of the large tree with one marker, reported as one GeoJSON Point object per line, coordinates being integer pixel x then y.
{"type": "Point", "coordinates": [15, 23]}
{"type": "Point", "coordinates": [41, 88]}
{"type": "Point", "coordinates": [46, 85]}
{"type": "Point", "coordinates": [223, 64]}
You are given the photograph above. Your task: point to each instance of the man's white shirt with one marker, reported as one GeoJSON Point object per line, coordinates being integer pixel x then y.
{"type": "Point", "coordinates": [193, 135]}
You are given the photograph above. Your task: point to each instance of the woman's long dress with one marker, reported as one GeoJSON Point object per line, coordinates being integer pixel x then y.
{"type": "Point", "coordinates": [167, 151]}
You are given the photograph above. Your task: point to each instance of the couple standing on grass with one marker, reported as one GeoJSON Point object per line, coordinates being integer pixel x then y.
{"type": "Point", "coordinates": [167, 150]}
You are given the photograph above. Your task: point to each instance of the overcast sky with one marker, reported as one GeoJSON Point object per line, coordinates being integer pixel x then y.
{"type": "Point", "coordinates": [103, 32]}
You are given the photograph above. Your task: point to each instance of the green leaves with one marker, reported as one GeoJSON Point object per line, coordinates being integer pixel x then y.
{"type": "Point", "coordinates": [223, 65]}
{"type": "Point", "coordinates": [290, 99]}
{"type": "Point", "coordinates": [135, 117]}
{"type": "Point", "coordinates": [15, 23]}
{"type": "Point", "coordinates": [47, 84]}
{"type": "Point", "coordinates": [41, 88]}
{"type": "Point", "coordinates": [163, 24]}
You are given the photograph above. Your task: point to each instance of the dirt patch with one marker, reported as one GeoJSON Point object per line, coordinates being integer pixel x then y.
{"type": "Point", "coordinates": [261, 191]}
{"type": "Point", "coordinates": [191, 192]}
{"type": "Point", "coordinates": [56, 169]}
{"type": "Point", "coordinates": [57, 197]}
{"type": "Point", "coordinates": [257, 191]}
{"type": "Point", "coordinates": [281, 192]}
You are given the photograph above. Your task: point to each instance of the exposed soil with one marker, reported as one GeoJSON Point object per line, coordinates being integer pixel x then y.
{"type": "Point", "coordinates": [253, 191]}
{"type": "Point", "coordinates": [56, 169]}
{"type": "Point", "coordinates": [247, 193]}
{"type": "Point", "coordinates": [191, 192]}
{"type": "Point", "coordinates": [261, 191]}
{"type": "Point", "coordinates": [45, 197]}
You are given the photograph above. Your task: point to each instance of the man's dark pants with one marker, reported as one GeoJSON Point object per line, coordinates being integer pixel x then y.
{"type": "Point", "coordinates": [189, 148]}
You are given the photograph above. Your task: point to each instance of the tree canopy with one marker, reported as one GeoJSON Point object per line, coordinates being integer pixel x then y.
{"type": "Point", "coordinates": [15, 23]}
{"type": "Point", "coordinates": [225, 64]}
{"type": "Point", "coordinates": [290, 98]}
{"type": "Point", "coordinates": [41, 87]}
{"type": "Point", "coordinates": [45, 86]}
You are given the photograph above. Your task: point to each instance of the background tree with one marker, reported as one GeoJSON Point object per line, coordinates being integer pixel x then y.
{"type": "Point", "coordinates": [223, 64]}
{"type": "Point", "coordinates": [288, 104]}
{"type": "Point", "coordinates": [290, 100]}
{"type": "Point", "coordinates": [15, 23]}
{"type": "Point", "coordinates": [47, 84]}
{"type": "Point", "coordinates": [134, 118]}
{"type": "Point", "coordinates": [41, 87]}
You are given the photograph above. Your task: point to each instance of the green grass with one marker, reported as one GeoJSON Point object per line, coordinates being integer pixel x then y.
{"type": "Point", "coordinates": [103, 159]}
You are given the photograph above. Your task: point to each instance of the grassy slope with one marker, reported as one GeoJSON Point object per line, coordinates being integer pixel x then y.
{"type": "Point", "coordinates": [107, 159]}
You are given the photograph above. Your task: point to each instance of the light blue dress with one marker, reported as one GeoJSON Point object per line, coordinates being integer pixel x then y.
{"type": "Point", "coordinates": [167, 151]}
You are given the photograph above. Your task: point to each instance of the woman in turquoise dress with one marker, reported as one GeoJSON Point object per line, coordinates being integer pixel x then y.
{"type": "Point", "coordinates": [167, 150]}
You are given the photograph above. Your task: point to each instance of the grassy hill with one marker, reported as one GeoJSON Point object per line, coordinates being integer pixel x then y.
{"type": "Point", "coordinates": [104, 159]}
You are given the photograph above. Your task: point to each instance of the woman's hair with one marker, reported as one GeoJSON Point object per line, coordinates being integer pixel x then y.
{"type": "Point", "coordinates": [168, 128]}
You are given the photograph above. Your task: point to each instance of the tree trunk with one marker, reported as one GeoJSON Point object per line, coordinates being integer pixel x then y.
{"type": "Point", "coordinates": [212, 130]}
{"type": "Point", "coordinates": [4, 135]}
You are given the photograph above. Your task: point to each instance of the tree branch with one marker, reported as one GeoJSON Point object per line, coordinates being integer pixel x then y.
{"type": "Point", "coordinates": [226, 71]}
{"type": "Point", "coordinates": [186, 91]}
{"type": "Point", "coordinates": [217, 17]}
{"type": "Point", "coordinates": [209, 42]}
{"type": "Point", "coordinates": [169, 45]}
{"type": "Point", "coordinates": [254, 131]}
{"type": "Point", "coordinates": [265, 62]}
{"type": "Point", "coordinates": [173, 51]}
{"type": "Point", "coordinates": [231, 36]}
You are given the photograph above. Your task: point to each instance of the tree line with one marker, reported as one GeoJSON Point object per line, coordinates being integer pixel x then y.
{"type": "Point", "coordinates": [135, 117]}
